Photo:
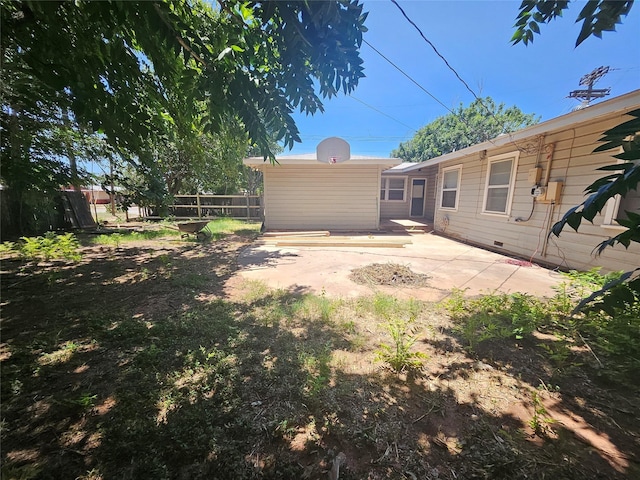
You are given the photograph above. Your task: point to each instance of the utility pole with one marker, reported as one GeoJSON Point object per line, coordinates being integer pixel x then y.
{"type": "Point", "coordinates": [589, 80]}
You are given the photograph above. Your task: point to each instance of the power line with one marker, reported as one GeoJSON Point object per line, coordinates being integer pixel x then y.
{"type": "Point", "coordinates": [382, 113]}
{"type": "Point", "coordinates": [455, 73]}
{"type": "Point", "coordinates": [436, 50]}
{"type": "Point", "coordinates": [444, 59]}
{"type": "Point", "coordinates": [408, 76]}
{"type": "Point", "coordinates": [455, 114]}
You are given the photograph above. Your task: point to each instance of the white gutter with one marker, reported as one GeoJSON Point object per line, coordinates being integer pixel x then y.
{"type": "Point", "coordinates": [259, 162]}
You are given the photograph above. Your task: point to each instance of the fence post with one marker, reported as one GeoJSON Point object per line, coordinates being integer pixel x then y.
{"type": "Point", "coordinates": [199, 207]}
{"type": "Point", "coordinates": [248, 207]}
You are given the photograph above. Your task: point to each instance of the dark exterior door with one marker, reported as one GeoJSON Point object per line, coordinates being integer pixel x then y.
{"type": "Point", "coordinates": [418, 191]}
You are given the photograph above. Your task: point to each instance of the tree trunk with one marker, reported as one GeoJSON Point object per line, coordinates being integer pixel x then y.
{"type": "Point", "coordinates": [73, 165]}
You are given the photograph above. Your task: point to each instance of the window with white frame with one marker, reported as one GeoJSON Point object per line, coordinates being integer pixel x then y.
{"type": "Point", "coordinates": [393, 189]}
{"type": "Point", "coordinates": [498, 192]}
{"type": "Point", "coordinates": [618, 207]}
{"type": "Point", "coordinates": [450, 185]}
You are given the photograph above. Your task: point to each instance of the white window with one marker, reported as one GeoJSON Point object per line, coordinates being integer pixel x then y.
{"type": "Point", "coordinates": [501, 175]}
{"type": "Point", "coordinates": [393, 189]}
{"type": "Point", "coordinates": [618, 207]}
{"type": "Point", "coordinates": [449, 187]}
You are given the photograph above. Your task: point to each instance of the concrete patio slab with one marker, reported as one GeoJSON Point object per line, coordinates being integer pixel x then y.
{"type": "Point", "coordinates": [448, 263]}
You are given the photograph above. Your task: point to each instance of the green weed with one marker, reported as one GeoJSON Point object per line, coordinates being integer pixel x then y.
{"type": "Point", "coordinates": [540, 421]}
{"type": "Point", "coordinates": [86, 400]}
{"type": "Point", "coordinates": [399, 355]}
{"type": "Point", "coordinates": [316, 366]}
{"type": "Point", "coordinates": [51, 246]}
{"type": "Point", "coordinates": [285, 429]}
{"type": "Point", "coordinates": [611, 329]}
{"type": "Point", "coordinates": [9, 248]}
{"type": "Point", "coordinates": [559, 352]}
{"type": "Point", "coordinates": [254, 290]}
{"type": "Point", "coordinates": [495, 316]}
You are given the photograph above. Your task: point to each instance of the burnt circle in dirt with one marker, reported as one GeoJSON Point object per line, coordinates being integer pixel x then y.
{"type": "Point", "coordinates": [390, 274]}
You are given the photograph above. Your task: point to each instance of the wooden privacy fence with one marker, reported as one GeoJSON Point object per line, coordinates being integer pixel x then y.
{"type": "Point", "coordinates": [207, 206]}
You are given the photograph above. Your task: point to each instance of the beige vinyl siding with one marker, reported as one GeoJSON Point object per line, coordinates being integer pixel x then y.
{"type": "Point", "coordinates": [333, 197]}
{"type": "Point", "coordinates": [575, 165]}
{"type": "Point", "coordinates": [399, 210]}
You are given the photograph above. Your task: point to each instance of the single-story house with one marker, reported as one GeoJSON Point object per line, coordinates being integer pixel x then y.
{"type": "Point", "coordinates": [326, 190]}
{"type": "Point", "coordinates": [506, 193]}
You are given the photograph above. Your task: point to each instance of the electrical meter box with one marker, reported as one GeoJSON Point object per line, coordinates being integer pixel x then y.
{"type": "Point", "coordinates": [554, 191]}
{"type": "Point", "coordinates": [538, 192]}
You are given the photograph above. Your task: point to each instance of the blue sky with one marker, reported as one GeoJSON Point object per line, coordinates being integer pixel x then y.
{"type": "Point", "coordinates": [473, 35]}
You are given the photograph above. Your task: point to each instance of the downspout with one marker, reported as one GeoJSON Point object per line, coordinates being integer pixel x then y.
{"type": "Point", "coordinates": [378, 199]}
{"type": "Point", "coordinates": [547, 174]}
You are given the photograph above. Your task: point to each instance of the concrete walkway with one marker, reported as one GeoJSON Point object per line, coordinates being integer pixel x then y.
{"type": "Point", "coordinates": [448, 263]}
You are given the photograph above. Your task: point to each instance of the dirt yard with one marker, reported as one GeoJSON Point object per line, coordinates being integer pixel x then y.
{"type": "Point", "coordinates": [152, 359]}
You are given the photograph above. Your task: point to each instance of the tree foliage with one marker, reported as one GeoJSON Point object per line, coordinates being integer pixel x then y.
{"type": "Point", "coordinates": [477, 123]}
{"type": "Point", "coordinates": [597, 16]}
{"type": "Point", "coordinates": [119, 64]}
{"type": "Point", "coordinates": [163, 74]}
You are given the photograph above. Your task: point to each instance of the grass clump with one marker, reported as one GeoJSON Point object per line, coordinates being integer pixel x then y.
{"type": "Point", "coordinates": [495, 316]}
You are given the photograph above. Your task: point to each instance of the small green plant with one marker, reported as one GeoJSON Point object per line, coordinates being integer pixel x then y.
{"type": "Point", "coordinates": [51, 246]}
{"type": "Point", "coordinates": [86, 400]}
{"type": "Point", "coordinates": [285, 429]}
{"type": "Point", "coordinates": [9, 248]}
{"type": "Point", "coordinates": [399, 355]}
{"type": "Point", "coordinates": [558, 352]}
{"type": "Point", "coordinates": [541, 421]}
{"type": "Point", "coordinates": [316, 366]}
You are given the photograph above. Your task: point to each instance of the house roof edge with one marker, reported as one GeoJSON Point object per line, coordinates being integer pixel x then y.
{"type": "Point", "coordinates": [628, 101]}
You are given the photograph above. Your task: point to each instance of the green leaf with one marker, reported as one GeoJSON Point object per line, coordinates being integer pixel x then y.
{"type": "Point", "coordinates": [574, 220]}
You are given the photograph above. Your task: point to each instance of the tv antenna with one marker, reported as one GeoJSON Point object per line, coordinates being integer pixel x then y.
{"type": "Point", "coordinates": [589, 80]}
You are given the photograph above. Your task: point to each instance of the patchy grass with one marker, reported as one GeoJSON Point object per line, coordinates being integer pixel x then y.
{"type": "Point", "coordinates": [119, 238]}
{"type": "Point", "coordinates": [226, 226]}
{"type": "Point", "coordinates": [219, 228]}
{"type": "Point", "coordinates": [141, 363]}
